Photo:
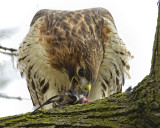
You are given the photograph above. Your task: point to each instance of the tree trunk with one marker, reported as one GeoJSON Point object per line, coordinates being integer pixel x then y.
{"type": "Point", "coordinates": [140, 108]}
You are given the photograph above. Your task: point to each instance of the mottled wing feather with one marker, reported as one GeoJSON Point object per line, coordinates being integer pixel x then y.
{"type": "Point", "coordinates": [114, 67]}
{"type": "Point", "coordinates": [33, 62]}
{"type": "Point", "coordinates": [42, 13]}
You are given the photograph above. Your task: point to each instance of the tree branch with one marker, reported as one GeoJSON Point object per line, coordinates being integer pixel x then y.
{"type": "Point", "coordinates": [13, 97]}
{"type": "Point", "coordinates": [9, 49]}
{"type": "Point", "coordinates": [155, 68]}
{"type": "Point", "coordinates": [12, 50]}
{"type": "Point", "coordinates": [7, 53]}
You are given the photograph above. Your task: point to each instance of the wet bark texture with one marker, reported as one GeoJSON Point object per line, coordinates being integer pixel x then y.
{"type": "Point", "coordinates": [138, 109]}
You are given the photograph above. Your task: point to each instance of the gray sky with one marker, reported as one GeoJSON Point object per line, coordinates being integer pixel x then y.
{"type": "Point", "coordinates": [135, 20]}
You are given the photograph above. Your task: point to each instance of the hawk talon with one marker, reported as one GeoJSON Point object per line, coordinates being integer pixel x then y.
{"type": "Point", "coordinates": [55, 104]}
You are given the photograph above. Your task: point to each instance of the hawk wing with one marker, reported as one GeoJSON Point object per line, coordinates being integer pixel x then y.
{"type": "Point", "coordinates": [114, 67]}
{"type": "Point", "coordinates": [33, 62]}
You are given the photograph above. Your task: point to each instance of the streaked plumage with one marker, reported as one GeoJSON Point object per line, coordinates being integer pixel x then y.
{"type": "Point", "coordinates": [63, 45]}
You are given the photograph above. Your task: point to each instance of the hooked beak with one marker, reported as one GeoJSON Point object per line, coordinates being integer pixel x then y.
{"type": "Point", "coordinates": [75, 83]}
{"type": "Point", "coordinates": [88, 87]}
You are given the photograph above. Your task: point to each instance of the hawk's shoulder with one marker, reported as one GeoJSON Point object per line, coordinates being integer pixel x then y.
{"type": "Point", "coordinates": [40, 13]}
{"type": "Point", "coordinates": [104, 13]}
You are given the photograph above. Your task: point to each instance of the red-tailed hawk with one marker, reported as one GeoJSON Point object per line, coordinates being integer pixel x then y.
{"type": "Point", "coordinates": [64, 49]}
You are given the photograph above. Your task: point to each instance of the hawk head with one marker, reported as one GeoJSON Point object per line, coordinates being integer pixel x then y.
{"type": "Point", "coordinates": [79, 60]}
{"type": "Point", "coordinates": [82, 72]}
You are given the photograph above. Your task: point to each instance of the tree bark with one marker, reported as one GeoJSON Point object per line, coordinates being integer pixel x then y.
{"type": "Point", "coordinates": [138, 109]}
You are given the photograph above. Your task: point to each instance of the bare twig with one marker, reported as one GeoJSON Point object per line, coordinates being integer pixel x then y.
{"type": "Point", "coordinates": [9, 49]}
{"type": "Point", "coordinates": [7, 53]}
{"type": "Point", "coordinates": [12, 97]}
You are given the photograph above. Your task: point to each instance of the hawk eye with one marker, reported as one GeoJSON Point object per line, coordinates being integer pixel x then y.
{"type": "Point", "coordinates": [81, 72]}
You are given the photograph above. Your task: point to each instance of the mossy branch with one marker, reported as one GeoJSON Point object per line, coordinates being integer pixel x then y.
{"type": "Point", "coordinates": [155, 68]}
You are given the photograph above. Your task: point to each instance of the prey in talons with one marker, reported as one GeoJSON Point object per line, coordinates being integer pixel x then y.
{"type": "Point", "coordinates": [70, 97]}
{"type": "Point", "coordinates": [75, 95]}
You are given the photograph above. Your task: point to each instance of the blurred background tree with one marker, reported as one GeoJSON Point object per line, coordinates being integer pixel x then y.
{"type": "Point", "coordinates": [6, 71]}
